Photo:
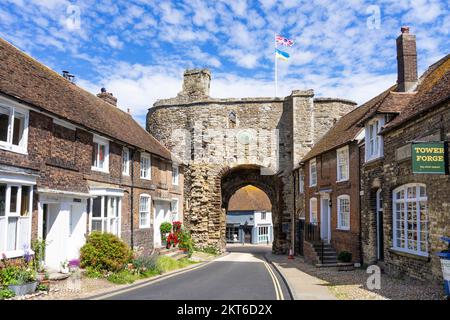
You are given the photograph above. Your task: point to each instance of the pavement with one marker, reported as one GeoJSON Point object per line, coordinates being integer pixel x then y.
{"type": "Point", "coordinates": [302, 285]}
{"type": "Point", "coordinates": [243, 274]}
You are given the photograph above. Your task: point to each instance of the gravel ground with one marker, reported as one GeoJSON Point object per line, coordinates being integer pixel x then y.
{"type": "Point", "coordinates": [351, 285]}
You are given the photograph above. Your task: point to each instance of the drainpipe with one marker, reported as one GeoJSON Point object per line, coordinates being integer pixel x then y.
{"type": "Point", "coordinates": [132, 151]}
{"type": "Point", "coordinates": [360, 206]}
{"type": "Point", "coordinates": [293, 215]}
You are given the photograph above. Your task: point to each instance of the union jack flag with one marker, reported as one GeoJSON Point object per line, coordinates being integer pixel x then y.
{"type": "Point", "coordinates": [284, 41]}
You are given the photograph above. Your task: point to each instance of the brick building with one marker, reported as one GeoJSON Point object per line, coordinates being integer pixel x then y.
{"type": "Point", "coordinates": [404, 214]}
{"type": "Point", "coordinates": [327, 192]}
{"type": "Point", "coordinates": [71, 162]}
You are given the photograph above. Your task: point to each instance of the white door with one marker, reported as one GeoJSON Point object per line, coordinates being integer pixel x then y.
{"type": "Point", "coordinates": [57, 230]}
{"type": "Point", "coordinates": [325, 233]}
{"type": "Point", "coordinates": [65, 232]}
{"type": "Point", "coordinates": [77, 230]}
{"type": "Point", "coordinates": [162, 209]}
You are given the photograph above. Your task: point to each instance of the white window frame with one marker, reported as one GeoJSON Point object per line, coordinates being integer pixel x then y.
{"type": "Point", "coordinates": [104, 217]}
{"type": "Point", "coordinates": [175, 175]}
{"type": "Point", "coordinates": [342, 164]}
{"type": "Point", "coordinates": [340, 217]}
{"type": "Point", "coordinates": [142, 170]}
{"type": "Point", "coordinates": [263, 215]}
{"type": "Point", "coordinates": [374, 141]}
{"type": "Point", "coordinates": [125, 161]}
{"type": "Point", "coordinates": [19, 251]}
{"type": "Point", "coordinates": [418, 221]}
{"type": "Point", "coordinates": [301, 181]}
{"type": "Point", "coordinates": [175, 216]}
{"type": "Point", "coordinates": [147, 212]}
{"type": "Point", "coordinates": [312, 173]}
{"type": "Point", "coordinates": [23, 144]}
{"type": "Point", "coordinates": [263, 233]}
{"type": "Point", "coordinates": [101, 141]}
{"type": "Point", "coordinates": [312, 219]}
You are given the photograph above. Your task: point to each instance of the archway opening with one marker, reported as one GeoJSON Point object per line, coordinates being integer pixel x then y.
{"type": "Point", "coordinates": [249, 217]}
{"type": "Point", "coordinates": [240, 186]}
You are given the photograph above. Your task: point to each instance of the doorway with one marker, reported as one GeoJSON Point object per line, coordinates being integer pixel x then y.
{"type": "Point", "coordinates": [325, 228]}
{"type": "Point", "coordinates": [162, 209]}
{"type": "Point", "coordinates": [63, 229]}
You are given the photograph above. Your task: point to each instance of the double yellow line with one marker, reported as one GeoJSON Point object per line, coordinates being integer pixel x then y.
{"type": "Point", "coordinates": [276, 283]}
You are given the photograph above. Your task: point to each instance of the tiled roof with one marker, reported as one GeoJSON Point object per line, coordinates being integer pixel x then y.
{"type": "Point", "coordinates": [433, 89]}
{"type": "Point", "coordinates": [249, 198]}
{"type": "Point", "coordinates": [30, 81]}
{"type": "Point", "coordinates": [345, 129]}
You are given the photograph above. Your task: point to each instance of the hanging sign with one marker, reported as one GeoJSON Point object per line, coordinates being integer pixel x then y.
{"type": "Point", "coordinates": [429, 157]}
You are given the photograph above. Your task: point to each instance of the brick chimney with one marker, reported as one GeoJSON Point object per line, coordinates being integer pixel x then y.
{"type": "Point", "coordinates": [406, 61]}
{"type": "Point", "coordinates": [196, 83]}
{"type": "Point", "coordinates": [107, 96]}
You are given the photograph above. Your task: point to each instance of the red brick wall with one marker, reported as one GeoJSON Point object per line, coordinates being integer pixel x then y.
{"type": "Point", "coordinates": [348, 240]}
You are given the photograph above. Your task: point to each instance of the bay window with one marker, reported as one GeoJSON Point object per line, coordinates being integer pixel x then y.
{"type": "Point", "coordinates": [342, 160]}
{"type": "Point", "coordinates": [100, 154]}
{"type": "Point", "coordinates": [312, 173]}
{"type": "Point", "coordinates": [15, 218]}
{"type": "Point", "coordinates": [105, 214]}
{"type": "Point", "coordinates": [146, 166]}
{"type": "Point", "coordinates": [343, 208]}
{"type": "Point", "coordinates": [410, 219]}
{"type": "Point", "coordinates": [13, 128]}
{"type": "Point", "coordinates": [144, 211]}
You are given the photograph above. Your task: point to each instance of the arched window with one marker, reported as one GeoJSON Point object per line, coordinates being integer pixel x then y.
{"type": "Point", "coordinates": [410, 219]}
{"type": "Point", "coordinates": [343, 212]}
{"type": "Point", "coordinates": [313, 210]}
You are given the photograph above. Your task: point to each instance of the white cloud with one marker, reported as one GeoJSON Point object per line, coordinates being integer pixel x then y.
{"type": "Point", "coordinates": [114, 42]}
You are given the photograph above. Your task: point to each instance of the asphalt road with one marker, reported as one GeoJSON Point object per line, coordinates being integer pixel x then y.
{"type": "Point", "coordinates": [243, 274]}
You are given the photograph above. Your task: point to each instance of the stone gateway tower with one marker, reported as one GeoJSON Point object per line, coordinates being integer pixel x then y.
{"type": "Point", "coordinates": [230, 143]}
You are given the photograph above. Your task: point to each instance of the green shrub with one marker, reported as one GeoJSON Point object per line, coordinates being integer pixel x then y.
{"type": "Point", "coordinates": [105, 252]}
{"type": "Point", "coordinates": [6, 293]}
{"type": "Point", "coordinates": [165, 228]}
{"type": "Point", "coordinates": [209, 250]}
{"type": "Point", "coordinates": [42, 287]}
{"type": "Point", "coordinates": [185, 241]}
{"type": "Point", "coordinates": [93, 273]}
{"type": "Point", "coordinates": [122, 277]}
{"type": "Point", "coordinates": [13, 275]}
{"type": "Point", "coordinates": [145, 263]}
{"type": "Point", "coordinates": [345, 256]}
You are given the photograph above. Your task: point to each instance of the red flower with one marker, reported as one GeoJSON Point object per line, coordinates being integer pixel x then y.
{"type": "Point", "coordinates": [172, 239]}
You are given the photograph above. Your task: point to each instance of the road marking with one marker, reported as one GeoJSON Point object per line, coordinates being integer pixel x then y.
{"type": "Point", "coordinates": [149, 282]}
{"type": "Point", "coordinates": [276, 283]}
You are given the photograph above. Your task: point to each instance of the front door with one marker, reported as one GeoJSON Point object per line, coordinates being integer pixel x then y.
{"type": "Point", "coordinates": [325, 220]}
{"type": "Point", "coordinates": [64, 229]}
{"type": "Point", "coordinates": [162, 209]}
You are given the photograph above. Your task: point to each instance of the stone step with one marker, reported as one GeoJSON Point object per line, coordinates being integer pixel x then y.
{"type": "Point", "coordinates": [164, 251]}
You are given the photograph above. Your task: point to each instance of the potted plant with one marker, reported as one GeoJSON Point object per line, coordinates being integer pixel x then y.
{"type": "Point", "coordinates": [176, 227]}
{"type": "Point", "coordinates": [172, 240]}
{"type": "Point", "coordinates": [74, 265]}
{"type": "Point", "coordinates": [20, 280]}
{"type": "Point", "coordinates": [64, 267]}
{"type": "Point", "coordinates": [185, 241]}
{"type": "Point", "coordinates": [165, 228]}
{"type": "Point", "coordinates": [38, 247]}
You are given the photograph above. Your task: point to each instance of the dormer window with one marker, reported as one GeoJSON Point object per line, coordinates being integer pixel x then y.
{"type": "Point", "coordinates": [374, 141]}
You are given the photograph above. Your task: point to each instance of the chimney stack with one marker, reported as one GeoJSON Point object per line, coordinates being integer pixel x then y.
{"type": "Point", "coordinates": [406, 61]}
{"type": "Point", "coordinates": [107, 96]}
{"type": "Point", "coordinates": [196, 83]}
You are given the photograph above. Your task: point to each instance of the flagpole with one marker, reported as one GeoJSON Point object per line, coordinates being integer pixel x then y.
{"type": "Point", "coordinates": [276, 68]}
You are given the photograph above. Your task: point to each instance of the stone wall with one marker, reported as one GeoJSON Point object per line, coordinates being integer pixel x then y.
{"type": "Point", "coordinates": [213, 136]}
{"type": "Point", "coordinates": [395, 171]}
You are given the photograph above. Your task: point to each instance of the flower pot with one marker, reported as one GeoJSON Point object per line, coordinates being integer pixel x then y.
{"type": "Point", "coordinates": [23, 289]}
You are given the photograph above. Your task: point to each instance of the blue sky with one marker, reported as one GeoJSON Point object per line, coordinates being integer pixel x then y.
{"type": "Point", "coordinates": [139, 49]}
